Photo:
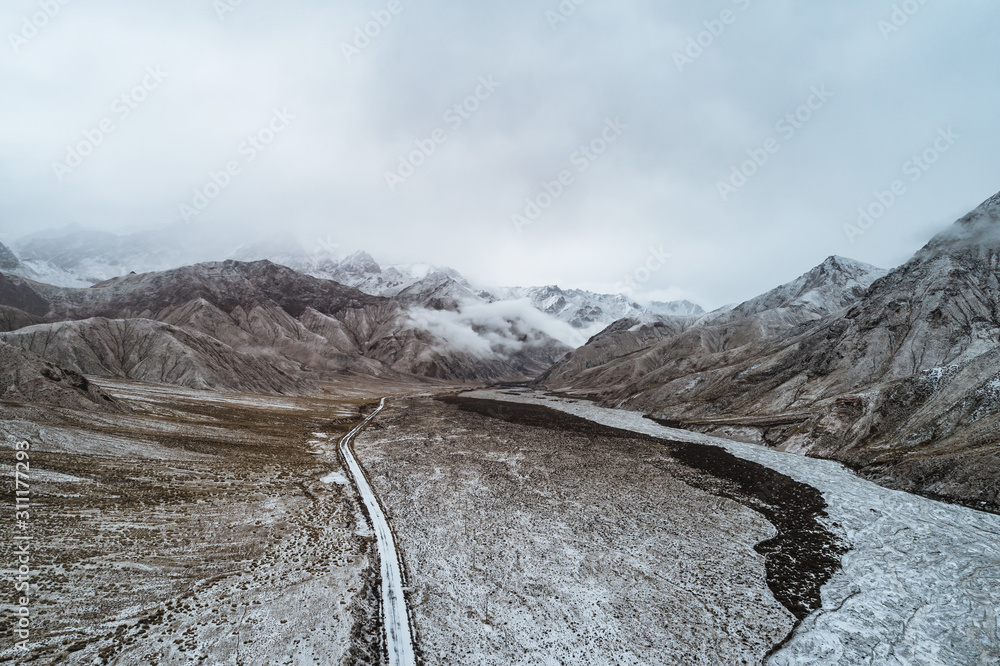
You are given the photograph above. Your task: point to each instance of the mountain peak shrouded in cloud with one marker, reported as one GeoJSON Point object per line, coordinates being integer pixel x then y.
{"type": "Point", "coordinates": [979, 231]}
{"type": "Point", "coordinates": [676, 308]}
{"type": "Point", "coordinates": [415, 95]}
{"type": "Point", "coordinates": [360, 263]}
{"type": "Point", "coordinates": [79, 257]}
{"type": "Point", "coordinates": [274, 247]}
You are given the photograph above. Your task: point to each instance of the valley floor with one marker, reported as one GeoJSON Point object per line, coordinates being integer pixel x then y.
{"type": "Point", "coordinates": [920, 585]}
{"type": "Point", "coordinates": [222, 528]}
{"type": "Point", "coordinates": [203, 528]}
{"type": "Point", "coordinates": [537, 545]}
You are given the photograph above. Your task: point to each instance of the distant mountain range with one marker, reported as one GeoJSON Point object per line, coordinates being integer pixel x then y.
{"type": "Point", "coordinates": [255, 327]}
{"type": "Point", "coordinates": [76, 257]}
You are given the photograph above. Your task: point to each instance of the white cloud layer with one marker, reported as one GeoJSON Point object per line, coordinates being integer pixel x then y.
{"type": "Point", "coordinates": [656, 184]}
{"type": "Point", "coordinates": [486, 329]}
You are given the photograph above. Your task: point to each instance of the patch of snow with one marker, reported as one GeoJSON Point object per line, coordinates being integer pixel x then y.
{"type": "Point", "coordinates": [335, 477]}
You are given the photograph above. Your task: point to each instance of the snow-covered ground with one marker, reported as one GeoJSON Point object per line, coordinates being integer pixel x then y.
{"type": "Point", "coordinates": [534, 545]}
{"type": "Point", "coordinates": [921, 584]}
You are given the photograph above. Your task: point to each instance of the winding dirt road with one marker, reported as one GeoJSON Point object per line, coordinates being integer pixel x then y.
{"type": "Point", "coordinates": [398, 638]}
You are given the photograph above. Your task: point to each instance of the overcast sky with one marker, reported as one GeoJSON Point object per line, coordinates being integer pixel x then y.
{"type": "Point", "coordinates": [676, 117]}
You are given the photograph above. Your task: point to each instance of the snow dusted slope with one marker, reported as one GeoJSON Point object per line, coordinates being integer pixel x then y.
{"type": "Point", "coordinates": [8, 260]}
{"type": "Point", "coordinates": [593, 312]}
{"type": "Point", "coordinates": [645, 353]}
{"type": "Point", "coordinates": [824, 290]}
{"type": "Point", "coordinates": [920, 585]}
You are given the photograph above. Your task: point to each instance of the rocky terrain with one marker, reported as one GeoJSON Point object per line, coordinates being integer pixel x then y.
{"type": "Point", "coordinates": [151, 351]}
{"type": "Point", "coordinates": [194, 527]}
{"type": "Point", "coordinates": [256, 326]}
{"type": "Point", "coordinates": [27, 378]}
{"type": "Point", "coordinates": [8, 260]}
{"type": "Point", "coordinates": [895, 375]}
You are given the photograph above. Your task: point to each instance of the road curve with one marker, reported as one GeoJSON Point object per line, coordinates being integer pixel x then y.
{"type": "Point", "coordinates": [398, 639]}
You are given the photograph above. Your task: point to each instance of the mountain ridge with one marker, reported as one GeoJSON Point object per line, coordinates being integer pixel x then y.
{"type": "Point", "coordinates": [308, 328]}
{"type": "Point", "coordinates": [898, 383]}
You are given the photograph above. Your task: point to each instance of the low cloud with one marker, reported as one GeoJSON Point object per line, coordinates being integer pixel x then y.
{"type": "Point", "coordinates": [489, 329]}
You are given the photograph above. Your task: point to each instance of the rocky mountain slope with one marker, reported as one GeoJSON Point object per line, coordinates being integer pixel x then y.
{"type": "Point", "coordinates": [151, 351]}
{"type": "Point", "coordinates": [8, 260]}
{"type": "Point", "coordinates": [25, 377]}
{"type": "Point", "coordinates": [897, 376]}
{"type": "Point", "coordinates": [634, 347]}
{"type": "Point", "coordinates": [302, 329]}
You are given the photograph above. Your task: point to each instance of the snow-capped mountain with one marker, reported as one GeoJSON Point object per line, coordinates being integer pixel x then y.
{"type": "Point", "coordinates": [675, 308]}
{"type": "Point", "coordinates": [75, 257]}
{"type": "Point", "coordinates": [262, 327]}
{"type": "Point", "coordinates": [419, 283]}
{"type": "Point", "coordinates": [592, 312]}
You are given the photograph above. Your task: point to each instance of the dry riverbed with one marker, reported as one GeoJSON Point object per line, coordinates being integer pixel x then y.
{"type": "Point", "coordinates": [530, 538]}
